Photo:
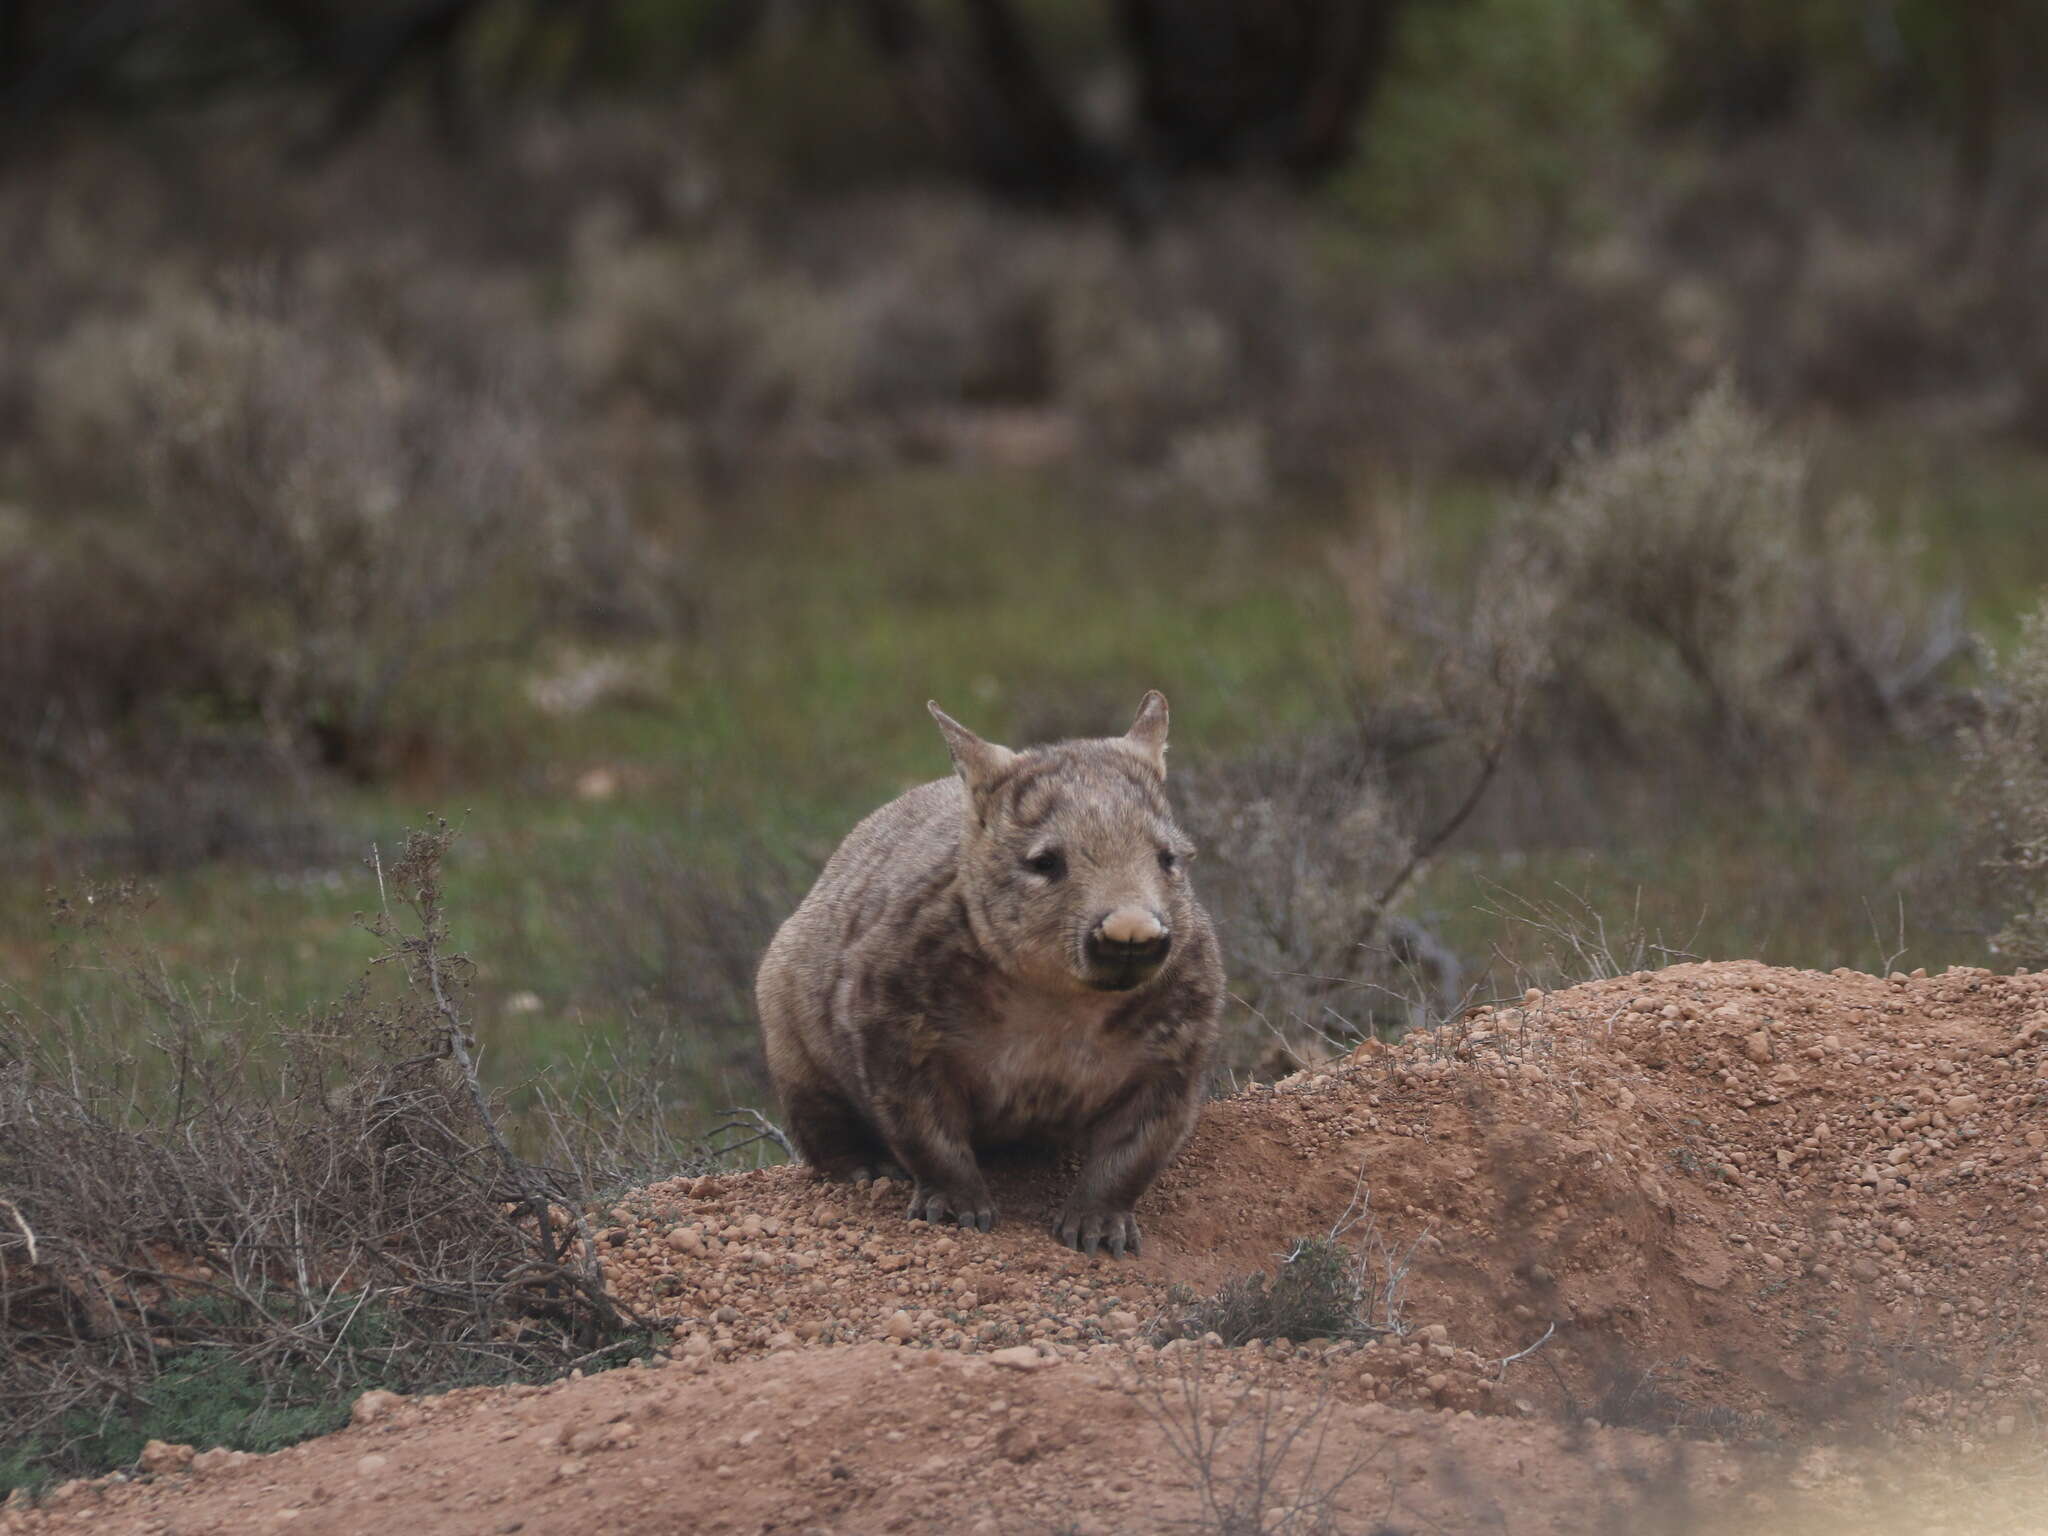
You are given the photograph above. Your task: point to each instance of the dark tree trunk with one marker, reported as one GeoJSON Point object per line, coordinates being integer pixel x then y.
{"type": "Point", "coordinates": [988, 100]}
{"type": "Point", "coordinates": [1226, 83]}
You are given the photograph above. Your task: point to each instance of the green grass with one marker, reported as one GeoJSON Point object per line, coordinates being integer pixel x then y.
{"type": "Point", "coordinates": [828, 616]}
{"type": "Point", "coordinates": [207, 1398]}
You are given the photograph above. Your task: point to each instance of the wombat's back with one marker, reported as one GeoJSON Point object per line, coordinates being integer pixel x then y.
{"type": "Point", "coordinates": [884, 894]}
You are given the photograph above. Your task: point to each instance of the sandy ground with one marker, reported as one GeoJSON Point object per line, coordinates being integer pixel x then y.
{"type": "Point", "coordinates": [1778, 1240]}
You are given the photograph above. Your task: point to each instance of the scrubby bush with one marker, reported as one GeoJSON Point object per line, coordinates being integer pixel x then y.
{"type": "Point", "coordinates": [1698, 592]}
{"type": "Point", "coordinates": [263, 1219]}
{"type": "Point", "coordinates": [1300, 847]}
{"type": "Point", "coordinates": [1347, 1283]}
{"type": "Point", "coordinates": [2005, 793]}
{"type": "Point", "coordinates": [1313, 1294]}
{"type": "Point", "coordinates": [247, 517]}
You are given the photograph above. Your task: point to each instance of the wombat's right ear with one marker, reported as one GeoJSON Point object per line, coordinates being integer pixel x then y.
{"type": "Point", "coordinates": [1147, 735]}
{"type": "Point", "coordinates": [975, 760]}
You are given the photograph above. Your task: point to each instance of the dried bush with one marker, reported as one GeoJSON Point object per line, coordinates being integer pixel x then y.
{"type": "Point", "coordinates": [673, 944]}
{"type": "Point", "coordinates": [271, 1219]}
{"type": "Point", "coordinates": [248, 517]}
{"type": "Point", "coordinates": [1298, 846]}
{"type": "Point", "coordinates": [1311, 847]}
{"type": "Point", "coordinates": [1256, 1469]}
{"type": "Point", "coordinates": [1695, 592]}
{"type": "Point", "coordinates": [2005, 792]}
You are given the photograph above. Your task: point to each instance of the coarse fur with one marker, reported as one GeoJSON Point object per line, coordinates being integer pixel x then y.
{"type": "Point", "coordinates": [1012, 954]}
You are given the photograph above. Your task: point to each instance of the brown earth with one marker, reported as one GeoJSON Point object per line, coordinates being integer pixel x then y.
{"type": "Point", "coordinates": [1777, 1239]}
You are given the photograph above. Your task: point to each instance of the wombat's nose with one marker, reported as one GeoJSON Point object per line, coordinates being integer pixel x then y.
{"type": "Point", "coordinates": [1129, 936]}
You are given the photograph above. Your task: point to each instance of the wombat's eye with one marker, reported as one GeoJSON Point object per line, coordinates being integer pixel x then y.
{"type": "Point", "coordinates": [1169, 860]}
{"type": "Point", "coordinates": [1051, 864]}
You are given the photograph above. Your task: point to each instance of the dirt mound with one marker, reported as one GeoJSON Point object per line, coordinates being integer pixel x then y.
{"type": "Point", "coordinates": [1766, 1194]}
{"type": "Point", "coordinates": [1717, 1202]}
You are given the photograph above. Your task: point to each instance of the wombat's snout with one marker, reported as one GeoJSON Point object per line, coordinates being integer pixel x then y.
{"type": "Point", "coordinates": [1125, 948]}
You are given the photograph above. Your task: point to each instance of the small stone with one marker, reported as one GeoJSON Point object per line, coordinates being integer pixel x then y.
{"type": "Point", "coordinates": [374, 1405]}
{"type": "Point", "coordinates": [161, 1456]}
{"type": "Point", "coordinates": [1757, 1046]}
{"type": "Point", "coordinates": [1020, 1357]}
{"type": "Point", "coordinates": [900, 1326]}
{"type": "Point", "coordinates": [373, 1465]}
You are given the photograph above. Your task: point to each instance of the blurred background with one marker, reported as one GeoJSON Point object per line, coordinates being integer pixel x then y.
{"type": "Point", "coordinates": [1579, 469]}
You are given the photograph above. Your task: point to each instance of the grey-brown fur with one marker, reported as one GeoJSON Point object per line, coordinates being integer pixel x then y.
{"type": "Point", "coordinates": [938, 992]}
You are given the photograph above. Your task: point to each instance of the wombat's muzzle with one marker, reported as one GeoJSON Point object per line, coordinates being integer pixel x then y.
{"type": "Point", "coordinates": [1122, 953]}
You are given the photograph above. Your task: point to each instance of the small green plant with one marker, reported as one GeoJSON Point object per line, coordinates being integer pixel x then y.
{"type": "Point", "coordinates": [1346, 1283]}
{"type": "Point", "coordinates": [1312, 1294]}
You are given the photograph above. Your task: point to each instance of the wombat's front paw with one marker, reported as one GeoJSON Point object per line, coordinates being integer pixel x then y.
{"type": "Point", "coordinates": [1089, 1231]}
{"type": "Point", "coordinates": [973, 1212]}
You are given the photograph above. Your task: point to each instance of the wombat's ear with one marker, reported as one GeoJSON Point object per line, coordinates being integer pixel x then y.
{"type": "Point", "coordinates": [975, 760]}
{"type": "Point", "coordinates": [1148, 732]}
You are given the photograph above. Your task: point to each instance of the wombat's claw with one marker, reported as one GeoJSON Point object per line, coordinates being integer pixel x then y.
{"type": "Point", "coordinates": [1092, 1231]}
{"type": "Point", "coordinates": [935, 1206]}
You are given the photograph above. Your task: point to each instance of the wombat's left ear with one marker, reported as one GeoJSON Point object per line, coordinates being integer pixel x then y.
{"type": "Point", "coordinates": [1148, 732]}
{"type": "Point", "coordinates": [975, 760]}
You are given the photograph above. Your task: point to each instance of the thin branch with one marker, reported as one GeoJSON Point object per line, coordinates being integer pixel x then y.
{"type": "Point", "coordinates": [27, 1231]}
{"type": "Point", "coordinates": [1508, 1360]}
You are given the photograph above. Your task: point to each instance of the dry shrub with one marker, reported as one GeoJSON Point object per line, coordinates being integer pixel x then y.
{"type": "Point", "coordinates": [1695, 592]}
{"type": "Point", "coordinates": [671, 942]}
{"type": "Point", "coordinates": [1298, 845]}
{"type": "Point", "coordinates": [253, 1218]}
{"type": "Point", "coordinates": [1256, 1467]}
{"type": "Point", "coordinates": [248, 515]}
{"type": "Point", "coordinates": [1312, 846]}
{"type": "Point", "coordinates": [2005, 792]}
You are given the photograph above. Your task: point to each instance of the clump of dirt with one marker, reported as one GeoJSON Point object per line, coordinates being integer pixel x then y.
{"type": "Point", "coordinates": [1678, 1247]}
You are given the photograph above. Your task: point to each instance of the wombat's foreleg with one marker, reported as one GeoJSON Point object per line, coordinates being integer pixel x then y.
{"type": "Point", "coordinates": [831, 1136]}
{"type": "Point", "coordinates": [927, 1129]}
{"type": "Point", "coordinates": [1127, 1148]}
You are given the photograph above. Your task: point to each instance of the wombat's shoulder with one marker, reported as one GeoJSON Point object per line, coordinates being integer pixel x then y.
{"type": "Point", "coordinates": [919, 828]}
{"type": "Point", "coordinates": [886, 890]}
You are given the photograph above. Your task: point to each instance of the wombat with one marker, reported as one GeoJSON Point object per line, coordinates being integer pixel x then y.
{"type": "Point", "coordinates": [1010, 955]}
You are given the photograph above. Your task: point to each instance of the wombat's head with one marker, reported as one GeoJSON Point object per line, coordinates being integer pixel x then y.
{"type": "Point", "coordinates": [1073, 869]}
